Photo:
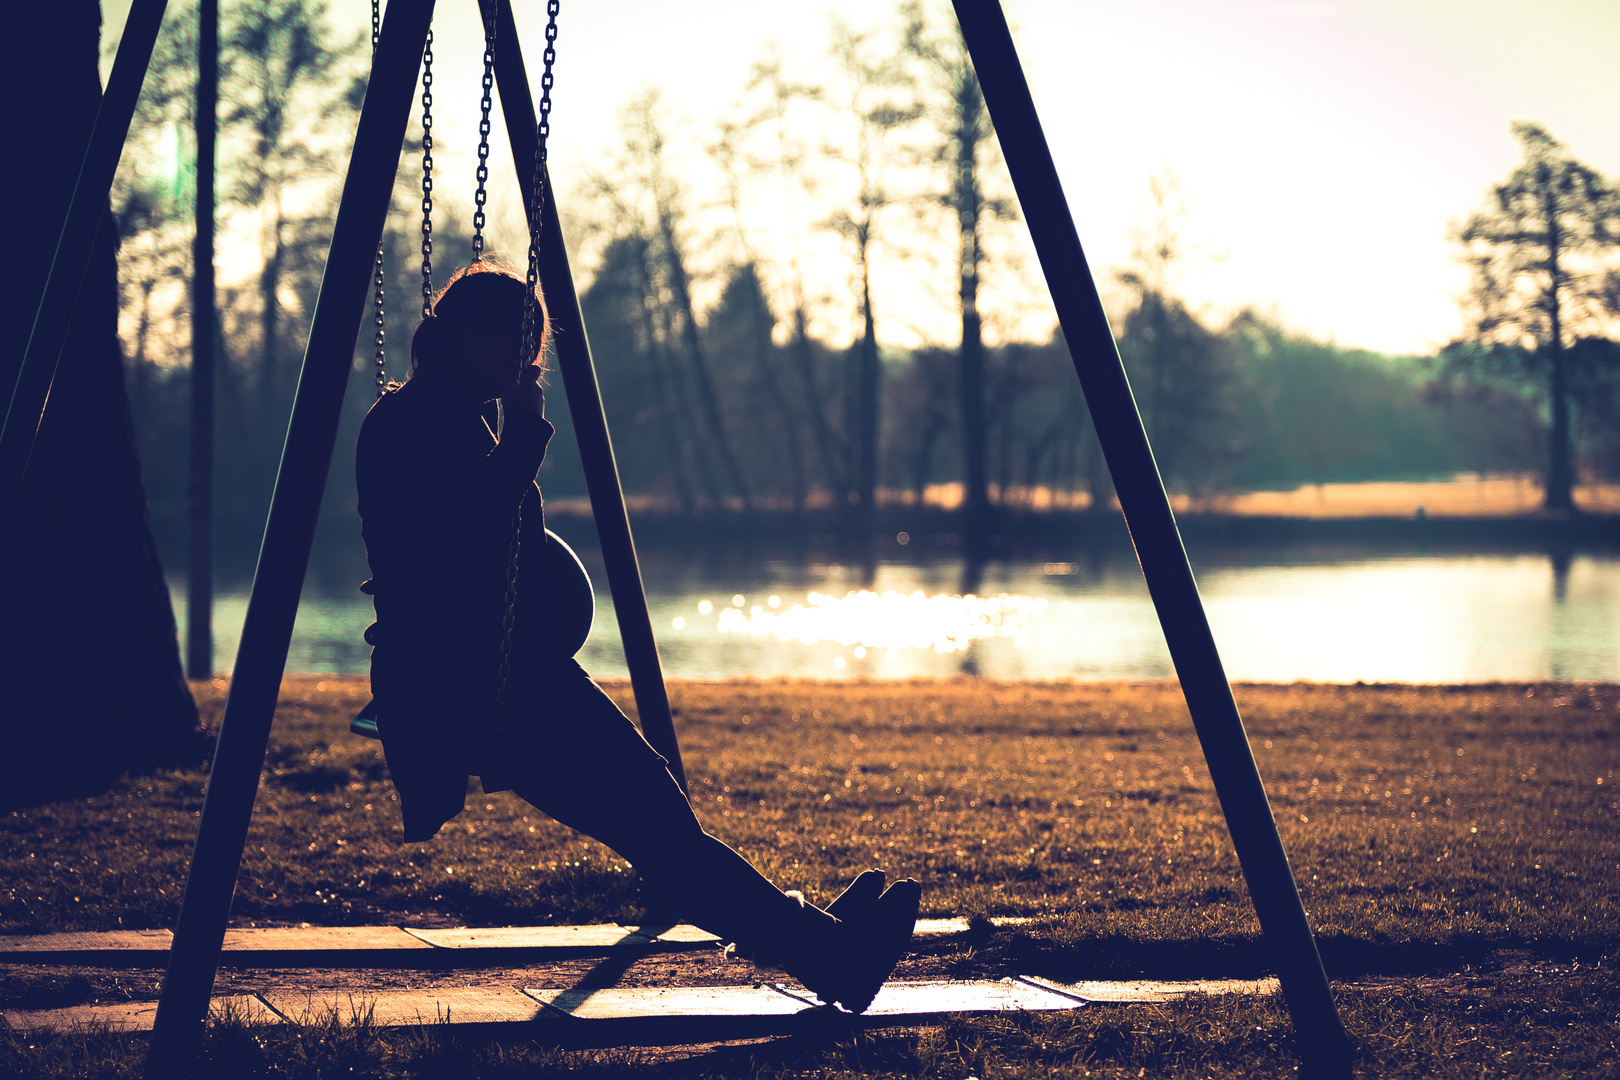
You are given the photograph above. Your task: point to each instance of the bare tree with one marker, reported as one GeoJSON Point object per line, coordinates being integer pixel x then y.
{"type": "Point", "coordinates": [964, 151]}
{"type": "Point", "coordinates": [877, 101]}
{"type": "Point", "coordinates": [1181, 374]}
{"type": "Point", "coordinates": [745, 306]}
{"type": "Point", "coordinates": [788, 163]}
{"type": "Point", "coordinates": [645, 141]}
{"type": "Point", "coordinates": [280, 68]}
{"type": "Point", "coordinates": [625, 310]}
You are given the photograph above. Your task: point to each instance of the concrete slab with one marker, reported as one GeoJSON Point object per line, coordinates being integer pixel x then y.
{"type": "Point", "coordinates": [689, 1002]}
{"type": "Point", "coordinates": [379, 946]}
{"type": "Point", "coordinates": [395, 1008]}
{"type": "Point", "coordinates": [604, 936]}
{"type": "Point", "coordinates": [679, 934]}
{"type": "Point", "coordinates": [322, 939]}
{"type": "Point", "coordinates": [648, 1015]}
{"type": "Point", "coordinates": [130, 1016]}
{"type": "Point", "coordinates": [1152, 990]}
{"type": "Point", "coordinates": [129, 946]}
{"type": "Point", "coordinates": [933, 997]}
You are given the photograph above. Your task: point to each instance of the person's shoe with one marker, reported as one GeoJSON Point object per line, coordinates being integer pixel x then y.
{"type": "Point", "coordinates": [861, 894]}
{"type": "Point", "coordinates": [865, 950]}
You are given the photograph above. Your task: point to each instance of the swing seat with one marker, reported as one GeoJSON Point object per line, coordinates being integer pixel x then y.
{"type": "Point", "coordinates": [562, 591]}
{"type": "Point", "coordinates": [364, 723]}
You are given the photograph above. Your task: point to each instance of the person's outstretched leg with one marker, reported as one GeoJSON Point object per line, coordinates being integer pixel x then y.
{"type": "Point", "coordinates": [571, 753]}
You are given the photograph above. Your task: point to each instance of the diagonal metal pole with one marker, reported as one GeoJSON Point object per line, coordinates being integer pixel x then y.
{"type": "Point", "coordinates": [585, 409]}
{"type": "Point", "coordinates": [29, 384]}
{"type": "Point", "coordinates": [1324, 1045]}
{"type": "Point", "coordinates": [306, 457]}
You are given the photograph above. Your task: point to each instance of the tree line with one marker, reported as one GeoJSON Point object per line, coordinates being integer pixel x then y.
{"type": "Point", "coordinates": [724, 368]}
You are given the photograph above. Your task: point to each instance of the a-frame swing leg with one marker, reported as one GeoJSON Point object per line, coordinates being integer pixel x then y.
{"type": "Point", "coordinates": [573, 350]}
{"type": "Point", "coordinates": [27, 385]}
{"type": "Point", "coordinates": [1324, 1045]}
{"type": "Point", "coordinates": [306, 458]}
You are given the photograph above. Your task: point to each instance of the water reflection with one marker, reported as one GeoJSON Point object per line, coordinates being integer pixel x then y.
{"type": "Point", "coordinates": [890, 621]}
{"type": "Point", "coordinates": [1411, 618]}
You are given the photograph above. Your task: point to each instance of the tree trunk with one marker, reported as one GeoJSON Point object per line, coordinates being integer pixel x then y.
{"type": "Point", "coordinates": [1560, 478]}
{"type": "Point", "coordinates": [805, 364]}
{"type": "Point", "coordinates": [765, 361]}
{"type": "Point", "coordinates": [681, 287]}
{"type": "Point", "coordinates": [968, 202]}
{"type": "Point", "coordinates": [90, 678]}
{"type": "Point", "coordinates": [867, 417]}
{"type": "Point", "coordinates": [1560, 473]}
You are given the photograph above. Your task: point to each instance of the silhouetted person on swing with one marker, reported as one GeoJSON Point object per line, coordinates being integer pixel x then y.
{"type": "Point", "coordinates": [438, 493]}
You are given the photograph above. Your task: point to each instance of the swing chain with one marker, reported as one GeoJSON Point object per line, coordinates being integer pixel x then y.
{"type": "Point", "coordinates": [530, 305]}
{"type": "Point", "coordinates": [510, 618]}
{"type": "Point", "coordinates": [483, 136]}
{"type": "Point", "coordinates": [537, 197]}
{"type": "Point", "coordinates": [381, 358]}
{"type": "Point", "coordinates": [427, 176]}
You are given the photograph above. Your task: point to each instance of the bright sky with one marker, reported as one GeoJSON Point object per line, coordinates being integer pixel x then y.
{"type": "Point", "coordinates": [1322, 150]}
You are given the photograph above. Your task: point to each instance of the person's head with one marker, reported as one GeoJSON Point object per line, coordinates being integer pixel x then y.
{"type": "Point", "coordinates": [477, 328]}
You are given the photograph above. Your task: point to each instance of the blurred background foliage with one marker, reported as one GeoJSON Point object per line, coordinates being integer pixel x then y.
{"type": "Point", "coordinates": [737, 402]}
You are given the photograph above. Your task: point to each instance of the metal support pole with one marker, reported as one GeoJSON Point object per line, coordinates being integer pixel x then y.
{"type": "Point", "coordinates": [284, 556]}
{"type": "Point", "coordinates": [200, 577]}
{"type": "Point", "coordinates": [32, 386]}
{"type": "Point", "coordinates": [573, 350]}
{"type": "Point", "coordinates": [1324, 1045]}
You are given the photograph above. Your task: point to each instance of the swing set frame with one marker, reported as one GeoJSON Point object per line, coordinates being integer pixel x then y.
{"type": "Point", "coordinates": [1325, 1047]}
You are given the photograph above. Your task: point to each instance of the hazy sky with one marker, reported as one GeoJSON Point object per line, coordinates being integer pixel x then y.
{"type": "Point", "coordinates": [1322, 150]}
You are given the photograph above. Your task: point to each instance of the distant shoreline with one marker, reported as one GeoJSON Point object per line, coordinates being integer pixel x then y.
{"type": "Point", "coordinates": [932, 533]}
{"type": "Point", "coordinates": [1466, 513]}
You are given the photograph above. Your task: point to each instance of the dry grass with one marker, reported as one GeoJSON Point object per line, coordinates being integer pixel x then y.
{"type": "Point", "coordinates": [1421, 820]}
{"type": "Point", "coordinates": [1460, 832]}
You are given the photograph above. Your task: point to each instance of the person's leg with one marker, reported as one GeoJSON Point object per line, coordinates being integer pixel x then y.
{"type": "Point", "coordinates": [576, 757]}
{"type": "Point", "coordinates": [570, 752]}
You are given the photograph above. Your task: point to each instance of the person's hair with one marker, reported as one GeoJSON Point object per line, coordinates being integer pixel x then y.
{"type": "Point", "coordinates": [483, 291]}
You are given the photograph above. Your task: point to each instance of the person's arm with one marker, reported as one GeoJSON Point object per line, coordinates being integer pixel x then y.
{"type": "Point", "coordinates": [527, 432]}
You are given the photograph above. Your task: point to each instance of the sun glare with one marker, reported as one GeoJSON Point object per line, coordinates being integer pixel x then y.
{"type": "Point", "coordinates": [891, 620]}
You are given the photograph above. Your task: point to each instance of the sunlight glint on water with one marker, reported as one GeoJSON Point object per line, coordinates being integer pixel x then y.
{"type": "Point", "coordinates": [868, 620]}
{"type": "Point", "coordinates": [1405, 619]}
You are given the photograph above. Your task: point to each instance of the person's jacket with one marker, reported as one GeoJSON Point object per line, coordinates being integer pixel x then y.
{"type": "Point", "coordinates": [437, 498]}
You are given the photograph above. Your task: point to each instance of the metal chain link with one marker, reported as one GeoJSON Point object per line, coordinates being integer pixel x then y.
{"type": "Point", "coordinates": [531, 298]}
{"type": "Point", "coordinates": [530, 313]}
{"type": "Point", "coordinates": [427, 176]}
{"type": "Point", "coordinates": [510, 618]}
{"type": "Point", "coordinates": [380, 340]}
{"type": "Point", "coordinates": [483, 131]}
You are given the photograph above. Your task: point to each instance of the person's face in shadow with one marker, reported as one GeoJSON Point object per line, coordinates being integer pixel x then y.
{"type": "Point", "coordinates": [488, 352]}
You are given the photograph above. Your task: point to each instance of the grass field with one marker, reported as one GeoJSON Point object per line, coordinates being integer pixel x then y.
{"type": "Point", "coordinates": [1457, 848]}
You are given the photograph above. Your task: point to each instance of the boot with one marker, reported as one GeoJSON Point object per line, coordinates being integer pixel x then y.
{"type": "Point", "coordinates": [860, 895]}
{"type": "Point", "coordinates": [846, 962]}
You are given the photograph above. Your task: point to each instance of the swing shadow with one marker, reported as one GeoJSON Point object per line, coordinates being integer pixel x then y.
{"type": "Point", "coordinates": [607, 972]}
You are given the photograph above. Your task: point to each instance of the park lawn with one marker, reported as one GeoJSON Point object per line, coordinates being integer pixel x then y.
{"type": "Point", "coordinates": [1421, 821]}
{"type": "Point", "coordinates": [1462, 838]}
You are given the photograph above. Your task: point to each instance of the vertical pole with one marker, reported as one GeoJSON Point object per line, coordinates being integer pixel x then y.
{"type": "Point", "coordinates": [1324, 1045]}
{"type": "Point", "coordinates": [284, 556]}
{"type": "Point", "coordinates": [200, 578]}
{"type": "Point", "coordinates": [26, 396]}
{"type": "Point", "coordinates": [585, 409]}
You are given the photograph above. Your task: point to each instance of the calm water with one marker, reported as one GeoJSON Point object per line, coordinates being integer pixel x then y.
{"type": "Point", "coordinates": [1395, 618]}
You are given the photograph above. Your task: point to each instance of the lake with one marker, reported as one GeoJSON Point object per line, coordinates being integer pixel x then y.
{"type": "Point", "coordinates": [1277, 616]}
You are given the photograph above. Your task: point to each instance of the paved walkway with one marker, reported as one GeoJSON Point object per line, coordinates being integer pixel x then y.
{"type": "Point", "coordinates": [612, 1015]}
{"type": "Point", "coordinates": [385, 946]}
